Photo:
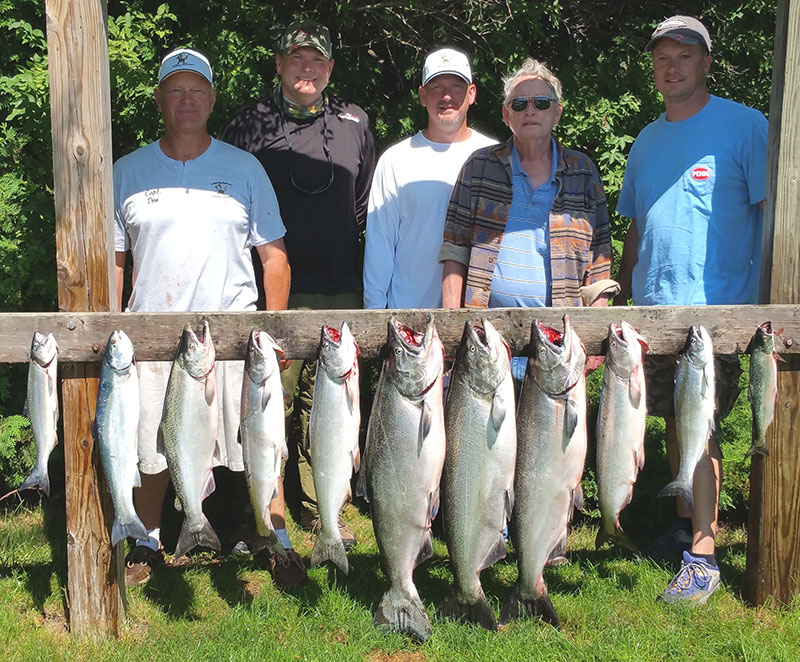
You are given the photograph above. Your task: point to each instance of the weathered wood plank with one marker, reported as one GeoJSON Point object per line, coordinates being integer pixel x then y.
{"type": "Point", "coordinates": [82, 336]}
{"type": "Point", "coordinates": [82, 163]}
{"type": "Point", "coordinates": [773, 540]}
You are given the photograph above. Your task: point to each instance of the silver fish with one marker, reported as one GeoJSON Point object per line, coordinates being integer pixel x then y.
{"type": "Point", "coordinates": [333, 438]}
{"type": "Point", "coordinates": [694, 410]}
{"type": "Point", "coordinates": [763, 389]}
{"type": "Point", "coordinates": [620, 429]}
{"type": "Point", "coordinates": [478, 479]}
{"type": "Point", "coordinates": [551, 449]}
{"type": "Point", "coordinates": [403, 464]}
{"type": "Point", "coordinates": [263, 432]}
{"type": "Point", "coordinates": [189, 428]}
{"type": "Point", "coordinates": [115, 428]}
{"type": "Point", "coordinates": [41, 406]}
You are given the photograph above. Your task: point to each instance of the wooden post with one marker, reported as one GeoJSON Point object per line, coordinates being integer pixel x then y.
{"type": "Point", "coordinates": [773, 540]}
{"type": "Point", "coordinates": [82, 172]}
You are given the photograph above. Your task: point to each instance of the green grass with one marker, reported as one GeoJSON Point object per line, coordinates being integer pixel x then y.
{"type": "Point", "coordinates": [228, 609]}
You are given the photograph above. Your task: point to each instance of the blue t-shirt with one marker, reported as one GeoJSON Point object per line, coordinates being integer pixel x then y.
{"type": "Point", "coordinates": [694, 188]}
{"type": "Point", "coordinates": [521, 277]}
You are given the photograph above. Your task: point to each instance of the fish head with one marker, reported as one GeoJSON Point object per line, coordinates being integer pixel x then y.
{"type": "Point", "coordinates": [558, 356]}
{"type": "Point", "coordinates": [196, 351]}
{"type": "Point", "coordinates": [262, 355]}
{"type": "Point", "coordinates": [625, 348]}
{"type": "Point", "coordinates": [44, 348]}
{"type": "Point", "coordinates": [415, 359]}
{"type": "Point", "coordinates": [698, 347]}
{"type": "Point", "coordinates": [483, 356]}
{"type": "Point", "coordinates": [119, 350]}
{"type": "Point", "coordinates": [338, 351]}
{"type": "Point", "coordinates": [764, 340]}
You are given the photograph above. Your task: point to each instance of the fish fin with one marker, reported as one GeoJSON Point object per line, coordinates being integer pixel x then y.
{"type": "Point", "coordinates": [425, 550]}
{"type": "Point", "coordinates": [679, 489]}
{"type": "Point", "coordinates": [134, 529]}
{"type": "Point", "coordinates": [211, 387]}
{"type": "Point", "coordinates": [284, 450]}
{"type": "Point", "coordinates": [361, 484]}
{"type": "Point", "coordinates": [356, 456]}
{"type": "Point", "coordinates": [509, 497]}
{"type": "Point", "coordinates": [209, 487]}
{"type": "Point", "coordinates": [496, 553]}
{"type": "Point", "coordinates": [479, 612]}
{"type": "Point", "coordinates": [351, 390]}
{"type": "Point", "coordinates": [137, 477]}
{"type": "Point", "coordinates": [38, 479]}
{"type": "Point", "coordinates": [425, 422]}
{"type": "Point", "coordinates": [517, 606]}
{"type": "Point", "coordinates": [433, 501]}
{"type": "Point", "coordinates": [558, 555]}
{"type": "Point", "coordinates": [577, 497]}
{"type": "Point", "coordinates": [188, 540]}
{"type": "Point", "coordinates": [404, 614]}
{"type": "Point", "coordinates": [266, 394]}
{"type": "Point", "coordinates": [635, 391]}
{"type": "Point", "coordinates": [178, 505]}
{"type": "Point", "coordinates": [499, 411]}
{"type": "Point", "coordinates": [570, 419]}
{"type": "Point", "coordinates": [329, 549]}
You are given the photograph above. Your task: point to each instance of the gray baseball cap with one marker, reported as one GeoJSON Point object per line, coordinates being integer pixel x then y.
{"type": "Point", "coordinates": [683, 29]}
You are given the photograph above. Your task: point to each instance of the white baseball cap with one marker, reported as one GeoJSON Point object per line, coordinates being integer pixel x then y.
{"type": "Point", "coordinates": [185, 59]}
{"type": "Point", "coordinates": [446, 61]}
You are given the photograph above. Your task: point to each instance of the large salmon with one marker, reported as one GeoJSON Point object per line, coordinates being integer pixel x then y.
{"type": "Point", "coordinates": [189, 428]}
{"type": "Point", "coordinates": [333, 438]}
{"type": "Point", "coordinates": [402, 467]}
{"type": "Point", "coordinates": [694, 410]}
{"type": "Point", "coordinates": [551, 449]}
{"type": "Point", "coordinates": [262, 428]}
{"type": "Point", "coordinates": [763, 389]}
{"type": "Point", "coordinates": [620, 429]}
{"type": "Point", "coordinates": [116, 425]}
{"type": "Point", "coordinates": [478, 478]}
{"type": "Point", "coordinates": [41, 406]}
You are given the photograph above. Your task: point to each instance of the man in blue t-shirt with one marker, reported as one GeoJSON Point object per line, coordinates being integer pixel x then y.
{"type": "Point", "coordinates": [694, 187]}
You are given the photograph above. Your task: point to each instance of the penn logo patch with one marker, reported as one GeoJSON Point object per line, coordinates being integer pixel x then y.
{"type": "Point", "coordinates": [701, 174]}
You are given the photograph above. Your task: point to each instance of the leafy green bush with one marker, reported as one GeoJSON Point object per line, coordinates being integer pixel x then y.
{"type": "Point", "coordinates": [17, 452]}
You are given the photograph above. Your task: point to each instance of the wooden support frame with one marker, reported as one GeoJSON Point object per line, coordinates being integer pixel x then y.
{"type": "Point", "coordinates": [773, 534]}
{"type": "Point", "coordinates": [81, 126]}
{"type": "Point", "coordinates": [80, 102]}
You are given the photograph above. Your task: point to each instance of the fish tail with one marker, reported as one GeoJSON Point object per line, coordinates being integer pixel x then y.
{"type": "Point", "coordinates": [678, 488]}
{"type": "Point", "coordinates": [329, 549]}
{"type": "Point", "coordinates": [39, 478]}
{"type": "Point", "coordinates": [403, 613]}
{"type": "Point", "coordinates": [758, 446]}
{"type": "Point", "coordinates": [188, 540]}
{"type": "Point", "coordinates": [517, 606]}
{"type": "Point", "coordinates": [617, 537]}
{"type": "Point", "coordinates": [134, 529]}
{"type": "Point", "coordinates": [479, 612]}
{"type": "Point", "coordinates": [270, 542]}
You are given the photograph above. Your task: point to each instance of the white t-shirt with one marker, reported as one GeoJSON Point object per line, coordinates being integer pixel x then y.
{"type": "Point", "coordinates": [190, 227]}
{"type": "Point", "coordinates": [412, 185]}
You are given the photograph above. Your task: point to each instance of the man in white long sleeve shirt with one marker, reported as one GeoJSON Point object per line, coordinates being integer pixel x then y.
{"type": "Point", "coordinates": [411, 187]}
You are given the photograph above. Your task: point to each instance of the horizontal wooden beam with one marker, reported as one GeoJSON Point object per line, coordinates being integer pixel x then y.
{"type": "Point", "coordinates": [82, 336]}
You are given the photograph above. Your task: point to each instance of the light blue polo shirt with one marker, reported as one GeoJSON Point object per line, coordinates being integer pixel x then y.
{"type": "Point", "coordinates": [694, 188]}
{"type": "Point", "coordinates": [521, 276]}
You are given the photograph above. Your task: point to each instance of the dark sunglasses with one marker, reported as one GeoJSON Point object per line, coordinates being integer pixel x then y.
{"type": "Point", "coordinates": [518, 104]}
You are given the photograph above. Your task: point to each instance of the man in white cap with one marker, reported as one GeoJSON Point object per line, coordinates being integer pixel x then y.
{"type": "Point", "coordinates": [411, 188]}
{"type": "Point", "coordinates": [190, 208]}
{"type": "Point", "coordinates": [693, 189]}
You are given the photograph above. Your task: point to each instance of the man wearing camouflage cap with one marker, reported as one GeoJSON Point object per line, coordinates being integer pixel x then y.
{"type": "Point", "coordinates": [694, 186]}
{"type": "Point", "coordinates": [319, 153]}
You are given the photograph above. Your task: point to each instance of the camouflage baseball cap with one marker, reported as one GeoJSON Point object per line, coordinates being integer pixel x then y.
{"type": "Point", "coordinates": [306, 33]}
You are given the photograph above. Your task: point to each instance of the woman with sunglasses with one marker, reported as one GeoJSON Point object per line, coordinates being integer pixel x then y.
{"type": "Point", "coordinates": [527, 223]}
